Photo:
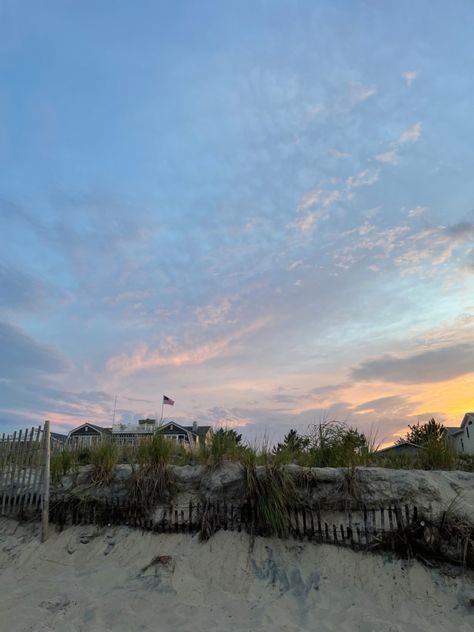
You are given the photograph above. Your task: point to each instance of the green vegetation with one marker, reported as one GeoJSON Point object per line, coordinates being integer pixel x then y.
{"type": "Point", "coordinates": [269, 495]}
{"type": "Point", "coordinates": [327, 444]}
{"type": "Point", "coordinates": [62, 462]}
{"type": "Point", "coordinates": [435, 452]}
{"type": "Point", "coordinates": [430, 432]}
{"type": "Point", "coordinates": [104, 456]}
{"type": "Point", "coordinates": [152, 477]}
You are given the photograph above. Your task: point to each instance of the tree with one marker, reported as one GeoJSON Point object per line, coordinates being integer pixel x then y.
{"type": "Point", "coordinates": [334, 444]}
{"type": "Point", "coordinates": [228, 435]}
{"type": "Point", "coordinates": [293, 442]}
{"type": "Point", "coordinates": [425, 433]}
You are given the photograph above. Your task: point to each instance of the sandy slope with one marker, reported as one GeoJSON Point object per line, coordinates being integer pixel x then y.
{"type": "Point", "coordinates": [95, 580]}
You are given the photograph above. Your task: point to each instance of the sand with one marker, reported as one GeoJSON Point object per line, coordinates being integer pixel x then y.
{"type": "Point", "coordinates": [119, 579]}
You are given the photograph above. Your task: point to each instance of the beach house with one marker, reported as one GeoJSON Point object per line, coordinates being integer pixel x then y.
{"type": "Point", "coordinates": [462, 437]}
{"type": "Point", "coordinates": [129, 434]}
{"type": "Point", "coordinates": [86, 434]}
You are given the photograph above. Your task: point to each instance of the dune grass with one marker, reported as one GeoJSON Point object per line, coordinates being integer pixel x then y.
{"type": "Point", "coordinates": [269, 492]}
{"type": "Point", "coordinates": [152, 479]}
{"type": "Point", "coordinates": [62, 462]}
{"type": "Point", "coordinates": [328, 444]}
{"type": "Point", "coordinates": [104, 456]}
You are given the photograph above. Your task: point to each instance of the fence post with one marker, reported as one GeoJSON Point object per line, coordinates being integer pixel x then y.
{"type": "Point", "coordinates": [46, 473]}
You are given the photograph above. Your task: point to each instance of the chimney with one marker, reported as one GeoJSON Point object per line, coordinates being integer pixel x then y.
{"type": "Point", "coordinates": [195, 426]}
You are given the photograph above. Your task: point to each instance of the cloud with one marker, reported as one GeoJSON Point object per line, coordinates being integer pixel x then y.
{"type": "Point", "coordinates": [340, 154]}
{"type": "Point", "coordinates": [436, 244]}
{"type": "Point", "coordinates": [416, 211]}
{"type": "Point", "coordinates": [317, 204]}
{"type": "Point", "coordinates": [391, 404]}
{"type": "Point", "coordinates": [319, 197]}
{"type": "Point", "coordinates": [358, 92]}
{"type": "Point", "coordinates": [21, 355]}
{"type": "Point", "coordinates": [411, 134]}
{"type": "Point", "coordinates": [170, 354]}
{"type": "Point", "coordinates": [363, 178]}
{"type": "Point", "coordinates": [214, 314]}
{"type": "Point", "coordinates": [19, 290]}
{"type": "Point", "coordinates": [432, 365]}
{"type": "Point", "coordinates": [409, 76]}
{"type": "Point", "coordinates": [390, 157]}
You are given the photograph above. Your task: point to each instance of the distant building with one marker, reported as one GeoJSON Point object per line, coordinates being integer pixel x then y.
{"type": "Point", "coordinates": [191, 435]}
{"type": "Point", "coordinates": [462, 437]}
{"type": "Point", "coordinates": [86, 434]}
{"type": "Point", "coordinates": [405, 448]}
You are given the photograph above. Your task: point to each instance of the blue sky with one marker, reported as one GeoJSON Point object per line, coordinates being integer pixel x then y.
{"type": "Point", "coordinates": [262, 209]}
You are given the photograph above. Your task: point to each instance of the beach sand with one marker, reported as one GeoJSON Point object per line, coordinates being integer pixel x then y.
{"type": "Point", "coordinates": [87, 578]}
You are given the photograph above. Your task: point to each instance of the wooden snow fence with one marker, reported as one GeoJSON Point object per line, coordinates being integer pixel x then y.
{"type": "Point", "coordinates": [358, 528]}
{"type": "Point", "coordinates": [24, 473]}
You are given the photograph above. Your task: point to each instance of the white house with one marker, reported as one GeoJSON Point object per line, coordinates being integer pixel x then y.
{"type": "Point", "coordinates": [462, 438]}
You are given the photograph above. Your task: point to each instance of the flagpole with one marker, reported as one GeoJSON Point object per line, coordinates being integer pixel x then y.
{"type": "Point", "coordinates": [162, 407]}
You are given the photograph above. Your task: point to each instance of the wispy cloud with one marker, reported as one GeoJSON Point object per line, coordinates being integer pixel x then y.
{"type": "Point", "coordinates": [314, 207]}
{"type": "Point", "coordinates": [416, 211]}
{"type": "Point", "coordinates": [360, 92]}
{"type": "Point", "coordinates": [411, 134]}
{"type": "Point", "coordinates": [319, 197]}
{"type": "Point", "coordinates": [366, 177]}
{"type": "Point", "coordinates": [390, 156]}
{"type": "Point", "coordinates": [409, 76]}
{"type": "Point", "coordinates": [214, 314]}
{"type": "Point", "coordinates": [172, 354]}
{"type": "Point", "coordinates": [340, 154]}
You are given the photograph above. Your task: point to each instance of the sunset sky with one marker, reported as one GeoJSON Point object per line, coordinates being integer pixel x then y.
{"type": "Point", "coordinates": [263, 210]}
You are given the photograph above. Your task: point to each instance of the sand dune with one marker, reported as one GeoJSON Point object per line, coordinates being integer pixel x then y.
{"type": "Point", "coordinates": [119, 579]}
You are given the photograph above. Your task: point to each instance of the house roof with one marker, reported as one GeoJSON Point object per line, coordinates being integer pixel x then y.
{"type": "Point", "coordinates": [58, 436]}
{"type": "Point", "coordinates": [453, 430]}
{"type": "Point", "coordinates": [467, 417]}
{"type": "Point", "coordinates": [201, 431]}
{"type": "Point", "coordinates": [101, 429]}
{"type": "Point", "coordinates": [398, 446]}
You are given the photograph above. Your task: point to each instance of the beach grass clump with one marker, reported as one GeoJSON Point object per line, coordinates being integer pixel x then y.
{"type": "Point", "coordinates": [104, 456]}
{"type": "Point", "coordinates": [62, 462]}
{"type": "Point", "coordinates": [153, 479]}
{"type": "Point", "coordinates": [269, 495]}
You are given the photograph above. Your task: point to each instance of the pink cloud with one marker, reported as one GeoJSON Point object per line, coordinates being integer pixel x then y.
{"type": "Point", "coordinates": [171, 355]}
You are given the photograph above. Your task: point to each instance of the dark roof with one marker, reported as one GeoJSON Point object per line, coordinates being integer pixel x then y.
{"type": "Point", "coordinates": [201, 431]}
{"type": "Point", "coordinates": [58, 436]}
{"type": "Point", "coordinates": [94, 426]}
{"type": "Point", "coordinates": [399, 446]}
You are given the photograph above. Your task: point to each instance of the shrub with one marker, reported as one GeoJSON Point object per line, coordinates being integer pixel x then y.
{"type": "Point", "coordinates": [334, 444]}
{"type": "Point", "coordinates": [224, 445]}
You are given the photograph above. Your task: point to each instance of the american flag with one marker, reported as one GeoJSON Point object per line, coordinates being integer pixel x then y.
{"type": "Point", "coordinates": [168, 400]}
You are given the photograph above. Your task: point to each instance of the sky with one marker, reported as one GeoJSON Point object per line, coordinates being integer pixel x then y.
{"type": "Point", "coordinates": [262, 209]}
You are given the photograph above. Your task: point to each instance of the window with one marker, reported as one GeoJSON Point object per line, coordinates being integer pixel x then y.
{"type": "Point", "coordinates": [467, 432]}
